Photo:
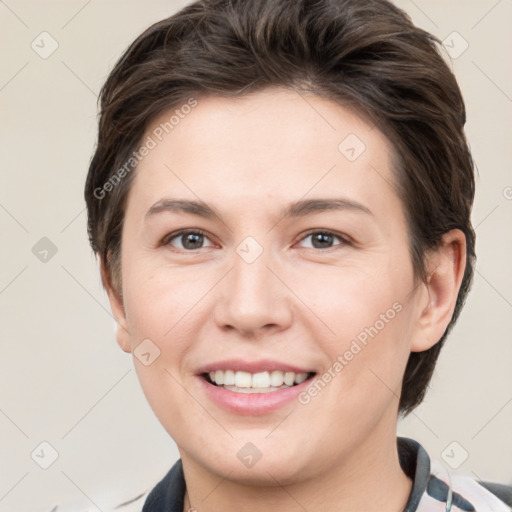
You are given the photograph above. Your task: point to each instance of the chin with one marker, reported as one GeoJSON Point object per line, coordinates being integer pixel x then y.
{"type": "Point", "coordinates": [269, 467]}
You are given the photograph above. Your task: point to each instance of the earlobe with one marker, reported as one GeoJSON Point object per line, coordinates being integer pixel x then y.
{"type": "Point", "coordinates": [117, 307]}
{"type": "Point", "coordinates": [123, 338]}
{"type": "Point", "coordinates": [446, 266]}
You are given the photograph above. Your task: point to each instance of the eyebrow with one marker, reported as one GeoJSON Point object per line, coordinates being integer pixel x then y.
{"type": "Point", "coordinates": [309, 206]}
{"type": "Point", "coordinates": [183, 206]}
{"type": "Point", "coordinates": [300, 208]}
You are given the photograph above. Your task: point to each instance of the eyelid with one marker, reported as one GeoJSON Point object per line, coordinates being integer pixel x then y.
{"type": "Point", "coordinates": [166, 240]}
{"type": "Point", "coordinates": [345, 240]}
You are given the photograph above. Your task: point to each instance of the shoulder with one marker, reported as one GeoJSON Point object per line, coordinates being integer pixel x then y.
{"type": "Point", "coordinates": [501, 491]}
{"type": "Point", "coordinates": [167, 495]}
{"type": "Point", "coordinates": [436, 488]}
{"type": "Point", "coordinates": [466, 492]}
{"type": "Point", "coordinates": [134, 504]}
{"type": "Point", "coordinates": [483, 495]}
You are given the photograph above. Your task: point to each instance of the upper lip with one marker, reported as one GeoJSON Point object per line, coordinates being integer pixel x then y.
{"type": "Point", "coordinates": [262, 365]}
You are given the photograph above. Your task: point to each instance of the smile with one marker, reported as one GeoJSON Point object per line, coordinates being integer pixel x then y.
{"type": "Point", "coordinates": [262, 386]}
{"type": "Point", "coordinates": [262, 382]}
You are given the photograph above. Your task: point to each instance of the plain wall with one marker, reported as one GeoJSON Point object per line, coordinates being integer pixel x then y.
{"type": "Point", "coordinates": [64, 380]}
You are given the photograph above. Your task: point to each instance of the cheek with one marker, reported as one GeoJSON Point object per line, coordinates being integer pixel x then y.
{"type": "Point", "coordinates": [169, 400]}
{"type": "Point", "coordinates": [362, 321]}
{"type": "Point", "coordinates": [158, 301]}
{"type": "Point", "coordinates": [165, 307]}
{"type": "Point", "coordinates": [351, 301]}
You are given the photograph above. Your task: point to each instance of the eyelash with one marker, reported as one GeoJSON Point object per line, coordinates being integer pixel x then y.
{"type": "Point", "coordinates": [343, 239]}
{"type": "Point", "coordinates": [171, 236]}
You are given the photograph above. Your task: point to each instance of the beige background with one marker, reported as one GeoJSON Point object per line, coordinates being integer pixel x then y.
{"type": "Point", "coordinates": [63, 378]}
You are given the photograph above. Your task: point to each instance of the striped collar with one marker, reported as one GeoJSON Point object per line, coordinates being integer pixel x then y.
{"type": "Point", "coordinates": [435, 488]}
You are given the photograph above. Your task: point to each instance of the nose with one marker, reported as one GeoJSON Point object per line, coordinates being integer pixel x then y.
{"type": "Point", "coordinates": [253, 300]}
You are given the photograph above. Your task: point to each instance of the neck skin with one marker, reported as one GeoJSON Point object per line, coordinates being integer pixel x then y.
{"type": "Point", "coordinates": [369, 480]}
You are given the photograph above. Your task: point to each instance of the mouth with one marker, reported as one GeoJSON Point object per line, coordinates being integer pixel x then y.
{"type": "Point", "coordinates": [239, 381]}
{"type": "Point", "coordinates": [253, 387]}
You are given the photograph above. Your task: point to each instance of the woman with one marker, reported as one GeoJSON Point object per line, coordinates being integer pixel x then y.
{"type": "Point", "coordinates": [280, 198]}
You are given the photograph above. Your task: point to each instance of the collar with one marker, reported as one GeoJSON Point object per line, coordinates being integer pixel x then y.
{"type": "Point", "coordinates": [169, 493]}
{"type": "Point", "coordinates": [415, 463]}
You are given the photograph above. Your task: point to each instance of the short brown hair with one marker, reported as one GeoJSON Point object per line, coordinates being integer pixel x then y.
{"type": "Point", "coordinates": [366, 54]}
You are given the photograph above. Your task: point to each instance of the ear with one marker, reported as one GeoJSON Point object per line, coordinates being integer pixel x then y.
{"type": "Point", "coordinates": [446, 266]}
{"type": "Point", "coordinates": [117, 307]}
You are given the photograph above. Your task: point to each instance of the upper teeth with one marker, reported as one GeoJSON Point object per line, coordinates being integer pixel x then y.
{"type": "Point", "coordinates": [256, 380]}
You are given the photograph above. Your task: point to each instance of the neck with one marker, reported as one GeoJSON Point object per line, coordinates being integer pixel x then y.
{"type": "Point", "coordinates": [370, 479]}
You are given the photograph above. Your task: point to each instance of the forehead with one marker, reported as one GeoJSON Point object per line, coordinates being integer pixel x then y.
{"type": "Point", "coordinates": [272, 146]}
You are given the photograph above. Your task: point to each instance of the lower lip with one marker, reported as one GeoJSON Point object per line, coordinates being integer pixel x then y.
{"type": "Point", "coordinates": [252, 403]}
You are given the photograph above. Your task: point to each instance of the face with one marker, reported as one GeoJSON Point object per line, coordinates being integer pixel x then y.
{"type": "Point", "coordinates": [263, 240]}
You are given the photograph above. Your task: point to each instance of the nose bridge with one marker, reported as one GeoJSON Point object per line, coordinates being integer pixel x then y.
{"type": "Point", "coordinates": [251, 276]}
{"type": "Point", "coordinates": [253, 297]}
